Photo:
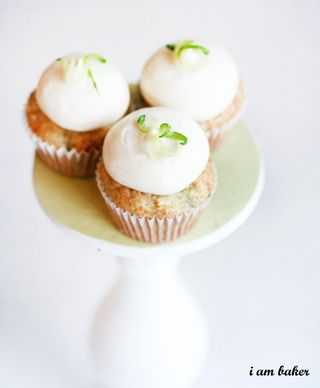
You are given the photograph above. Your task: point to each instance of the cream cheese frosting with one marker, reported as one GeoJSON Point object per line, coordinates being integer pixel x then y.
{"type": "Point", "coordinates": [83, 94]}
{"type": "Point", "coordinates": [201, 85]}
{"type": "Point", "coordinates": [147, 163]}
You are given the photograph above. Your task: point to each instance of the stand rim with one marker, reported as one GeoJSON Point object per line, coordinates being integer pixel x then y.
{"type": "Point", "coordinates": [183, 248]}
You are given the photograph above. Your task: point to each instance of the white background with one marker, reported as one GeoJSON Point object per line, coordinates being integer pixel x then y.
{"type": "Point", "coordinates": [260, 287]}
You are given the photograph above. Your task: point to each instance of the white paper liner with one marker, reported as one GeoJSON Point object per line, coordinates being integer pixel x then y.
{"type": "Point", "coordinates": [68, 162]}
{"type": "Point", "coordinates": [151, 230]}
{"type": "Point", "coordinates": [216, 135]}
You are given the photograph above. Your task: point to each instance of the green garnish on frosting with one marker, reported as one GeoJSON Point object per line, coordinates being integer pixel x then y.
{"type": "Point", "coordinates": [84, 61]}
{"type": "Point", "coordinates": [164, 131]}
{"type": "Point", "coordinates": [90, 75]}
{"type": "Point", "coordinates": [141, 124]}
{"type": "Point", "coordinates": [179, 47]}
{"type": "Point", "coordinates": [93, 56]}
{"type": "Point", "coordinates": [170, 46]}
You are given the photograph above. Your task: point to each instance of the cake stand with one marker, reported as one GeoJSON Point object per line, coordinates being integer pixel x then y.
{"type": "Point", "coordinates": [149, 332]}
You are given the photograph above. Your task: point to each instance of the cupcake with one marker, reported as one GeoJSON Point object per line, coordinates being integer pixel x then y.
{"type": "Point", "coordinates": [155, 174]}
{"type": "Point", "coordinates": [197, 80]}
{"type": "Point", "coordinates": [77, 99]}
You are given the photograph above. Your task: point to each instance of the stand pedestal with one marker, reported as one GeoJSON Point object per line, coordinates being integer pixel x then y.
{"type": "Point", "coordinates": [149, 332]}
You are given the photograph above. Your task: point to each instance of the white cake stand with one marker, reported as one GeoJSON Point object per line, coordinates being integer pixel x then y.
{"type": "Point", "coordinates": [149, 332]}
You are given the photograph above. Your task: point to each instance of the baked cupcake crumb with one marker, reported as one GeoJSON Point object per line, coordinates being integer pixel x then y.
{"type": "Point", "coordinates": [50, 132]}
{"type": "Point", "coordinates": [159, 206]}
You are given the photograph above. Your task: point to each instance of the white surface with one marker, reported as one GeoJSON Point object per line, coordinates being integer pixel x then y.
{"type": "Point", "coordinates": [260, 287]}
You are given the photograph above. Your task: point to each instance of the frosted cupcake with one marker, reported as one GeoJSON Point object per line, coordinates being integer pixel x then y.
{"type": "Point", "coordinates": [77, 99]}
{"type": "Point", "coordinates": [197, 80]}
{"type": "Point", "coordinates": [155, 174]}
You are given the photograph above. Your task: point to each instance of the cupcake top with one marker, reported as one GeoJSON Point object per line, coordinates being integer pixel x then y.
{"type": "Point", "coordinates": [155, 150]}
{"type": "Point", "coordinates": [82, 92]}
{"type": "Point", "coordinates": [192, 78]}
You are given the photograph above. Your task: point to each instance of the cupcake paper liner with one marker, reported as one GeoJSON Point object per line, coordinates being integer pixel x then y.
{"type": "Point", "coordinates": [72, 163]}
{"type": "Point", "coordinates": [150, 229]}
{"type": "Point", "coordinates": [217, 134]}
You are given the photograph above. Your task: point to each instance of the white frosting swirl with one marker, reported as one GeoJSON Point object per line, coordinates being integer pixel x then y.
{"type": "Point", "coordinates": [155, 166]}
{"type": "Point", "coordinates": [201, 85]}
{"type": "Point", "coordinates": [66, 94]}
